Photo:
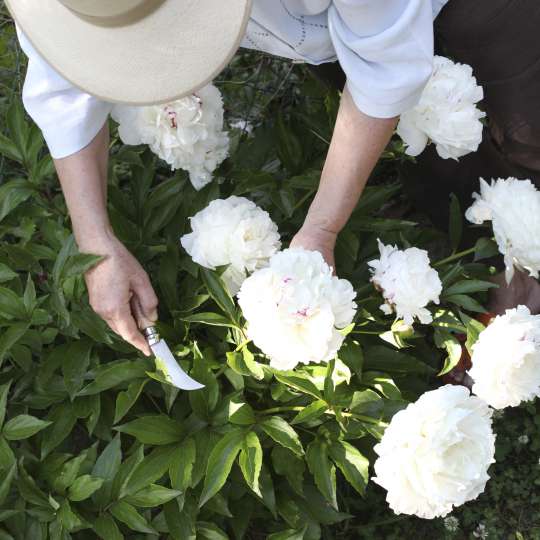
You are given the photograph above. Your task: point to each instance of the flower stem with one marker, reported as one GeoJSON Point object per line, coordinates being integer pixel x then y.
{"type": "Point", "coordinates": [455, 256]}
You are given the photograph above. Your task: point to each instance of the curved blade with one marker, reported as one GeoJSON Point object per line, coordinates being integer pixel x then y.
{"type": "Point", "coordinates": [168, 365]}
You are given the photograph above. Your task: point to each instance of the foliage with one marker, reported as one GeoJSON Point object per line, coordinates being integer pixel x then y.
{"type": "Point", "coordinates": [93, 444]}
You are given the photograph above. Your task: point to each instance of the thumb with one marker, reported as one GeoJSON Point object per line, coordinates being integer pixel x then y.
{"type": "Point", "coordinates": [145, 297]}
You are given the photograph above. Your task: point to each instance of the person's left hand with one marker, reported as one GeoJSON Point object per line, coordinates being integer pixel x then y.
{"type": "Point", "coordinates": [315, 238]}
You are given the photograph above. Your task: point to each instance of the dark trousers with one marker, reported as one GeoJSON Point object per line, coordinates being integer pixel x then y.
{"type": "Point", "coordinates": [500, 39]}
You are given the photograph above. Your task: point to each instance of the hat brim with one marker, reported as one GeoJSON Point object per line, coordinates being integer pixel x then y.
{"type": "Point", "coordinates": [175, 50]}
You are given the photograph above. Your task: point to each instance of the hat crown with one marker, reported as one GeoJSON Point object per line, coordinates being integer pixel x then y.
{"type": "Point", "coordinates": [104, 8]}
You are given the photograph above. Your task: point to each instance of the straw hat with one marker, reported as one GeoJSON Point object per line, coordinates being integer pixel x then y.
{"type": "Point", "coordinates": [135, 51]}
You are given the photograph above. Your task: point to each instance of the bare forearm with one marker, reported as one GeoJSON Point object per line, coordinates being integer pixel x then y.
{"type": "Point", "coordinates": [83, 177]}
{"type": "Point", "coordinates": [356, 146]}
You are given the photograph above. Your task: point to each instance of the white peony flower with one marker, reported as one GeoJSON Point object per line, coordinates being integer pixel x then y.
{"type": "Point", "coordinates": [446, 114]}
{"type": "Point", "coordinates": [523, 439]}
{"type": "Point", "coordinates": [513, 206]}
{"type": "Point", "coordinates": [295, 308]}
{"type": "Point", "coordinates": [435, 454]}
{"type": "Point", "coordinates": [188, 133]}
{"type": "Point", "coordinates": [407, 281]}
{"type": "Point", "coordinates": [506, 359]}
{"type": "Point", "coordinates": [451, 523]}
{"type": "Point", "coordinates": [234, 232]}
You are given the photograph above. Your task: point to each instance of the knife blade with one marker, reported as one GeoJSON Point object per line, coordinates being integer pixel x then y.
{"type": "Point", "coordinates": [167, 364]}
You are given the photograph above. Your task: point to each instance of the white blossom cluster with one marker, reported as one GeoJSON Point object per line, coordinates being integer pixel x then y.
{"type": "Point", "coordinates": [295, 308]}
{"type": "Point", "coordinates": [435, 454]}
{"type": "Point", "coordinates": [513, 207]}
{"type": "Point", "coordinates": [506, 359]}
{"type": "Point", "coordinates": [187, 134]}
{"type": "Point", "coordinates": [234, 232]}
{"type": "Point", "coordinates": [447, 113]}
{"type": "Point", "coordinates": [407, 281]}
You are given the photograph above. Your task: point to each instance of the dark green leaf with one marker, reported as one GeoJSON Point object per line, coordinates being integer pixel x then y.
{"type": "Point", "coordinates": [127, 514]}
{"type": "Point", "coordinates": [353, 465]}
{"type": "Point", "coordinates": [250, 460]}
{"type": "Point", "coordinates": [152, 495]}
{"type": "Point", "coordinates": [83, 487]}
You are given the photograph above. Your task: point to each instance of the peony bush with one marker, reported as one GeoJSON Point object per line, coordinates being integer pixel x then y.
{"type": "Point", "coordinates": [316, 403]}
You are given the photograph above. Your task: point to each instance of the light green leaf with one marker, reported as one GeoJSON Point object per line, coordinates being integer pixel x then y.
{"type": "Point", "coordinates": [353, 465]}
{"type": "Point", "coordinates": [323, 470]}
{"type": "Point", "coordinates": [220, 463]}
{"type": "Point", "coordinates": [210, 319]}
{"type": "Point", "coordinates": [126, 399]}
{"type": "Point", "coordinates": [153, 430]}
{"type": "Point", "coordinates": [151, 469]}
{"type": "Point", "coordinates": [313, 411]}
{"type": "Point", "coordinates": [181, 468]}
{"type": "Point", "coordinates": [279, 430]}
{"type": "Point", "coordinates": [22, 427]}
{"type": "Point", "coordinates": [128, 515]}
{"type": "Point", "coordinates": [83, 487]}
{"type": "Point", "coordinates": [251, 456]}
{"type": "Point", "coordinates": [114, 374]}
{"type": "Point", "coordinates": [152, 495]}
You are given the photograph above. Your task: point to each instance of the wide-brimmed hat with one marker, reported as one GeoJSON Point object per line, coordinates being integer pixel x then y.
{"type": "Point", "coordinates": [134, 51]}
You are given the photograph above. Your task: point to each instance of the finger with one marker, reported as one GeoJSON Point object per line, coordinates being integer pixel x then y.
{"type": "Point", "coordinates": [127, 328]}
{"type": "Point", "coordinates": [145, 296]}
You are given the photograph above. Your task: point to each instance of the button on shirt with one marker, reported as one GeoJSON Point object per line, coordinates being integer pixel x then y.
{"type": "Point", "coordinates": [385, 48]}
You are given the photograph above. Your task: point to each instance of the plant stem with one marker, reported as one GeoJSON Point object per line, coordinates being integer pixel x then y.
{"type": "Point", "coordinates": [455, 256]}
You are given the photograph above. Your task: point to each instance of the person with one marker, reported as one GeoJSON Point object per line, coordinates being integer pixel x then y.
{"type": "Point", "coordinates": [84, 55]}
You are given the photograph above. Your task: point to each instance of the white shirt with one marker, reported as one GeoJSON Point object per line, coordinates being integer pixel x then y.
{"type": "Point", "coordinates": [385, 48]}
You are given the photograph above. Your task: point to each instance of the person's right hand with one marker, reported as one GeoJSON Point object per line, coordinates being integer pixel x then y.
{"type": "Point", "coordinates": [114, 284]}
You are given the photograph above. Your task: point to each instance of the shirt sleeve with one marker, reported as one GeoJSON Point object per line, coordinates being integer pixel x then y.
{"type": "Point", "coordinates": [386, 51]}
{"type": "Point", "coordinates": [68, 117]}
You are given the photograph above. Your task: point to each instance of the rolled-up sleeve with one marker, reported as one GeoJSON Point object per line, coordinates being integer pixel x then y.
{"type": "Point", "coordinates": [386, 51]}
{"type": "Point", "coordinates": [68, 117]}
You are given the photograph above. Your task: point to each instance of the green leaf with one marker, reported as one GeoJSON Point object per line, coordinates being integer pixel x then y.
{"type": "Point", "coordinates": [244, 364]}
{"type": "Point", "coordinates": [218, 291]}
{"type": "Point", "coordinates": [466, 302]}
{"type": "Point", "coordinates": [5, 484]}
{"type": "Point", "coordinates": [485, 248]}
{"type": "Point", "coordinates": [297, 381]}
{"type": "Point", "coordinates": [125, 472]}
{"type": "Point", "coordinates": [446, 340]}
{"type": "Point", "coordinates": [30, 491]}
{"type": "Point", "coordinates": [10, 337]}
{"type": "Point", "coordinates": [62, 420]}
{"type": "Point", "coordinates": [152, 495]}
{"type": "Point", "coordinates": [106, 467]}
{"type": "Point", "coordinates": [126, 399]}
{"type": "Point", "coordinates": [210, 531]}
{"type": "Point", "coordinates": [289, 534]}
{"type": "Point", "coordinates": [313, 411]}
{"type": "Point", "coordinates": [22, 427]}
{"type": "Point", "coordinates": [107, 529]}
{"type": "Point", "coordinates": [210, 319]}
{"type": "Point", "coordinates": [79, 264]}
{"type": "Point", "coordinates": [83, 487]}
{"type": "Point", "coordinates": [151, 469]}
{"type": "Point", "coordinates": [381, 358]}
{"type": "Point", "coordinates": [353, 465]}
{"type": "Point", "coordinates": [4, 391]}
{"type": "Point", "coordinates": [220, 463]}
{"type": "Point", "coordinates": [75, 364]}
{"type": "Point", "coordinates": [251, 456]}
{"type": "Point", "coordinates": [279, 430]}
{"type": "Point", "coordinates": [114, 374]}
{"type": "Point", "coordinates": [181, 523]}
{"type": "Point", "coordinates": [474, 329]}
{"type": "Point", "coordinates": [181, 468]}
{"type": "Point", "coordinates": [323, 470]}
{"type": "Point", "coordinates": [468, 286]}
{"type": "Point", "coordinates": [127, 514]}
{"type": "Point", "coordinates": [240, 413]}
{"type": "Point", "coordinates": [12, 194]}
{"type": "Point", "coordinates": [154, 430]}
{"type": "Point", "coordinates": [6, 274]}
{"type": "Point", "coordinates": [290, 466]}
{"type": "Point", "coordinates": [455, 226]}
